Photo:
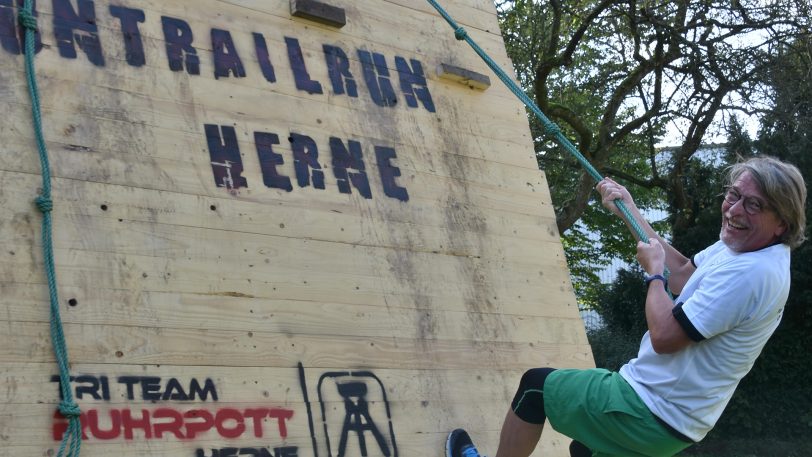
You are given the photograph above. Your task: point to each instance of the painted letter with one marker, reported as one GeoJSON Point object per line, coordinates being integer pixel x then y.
{"type": "Point", "coordinates": [410, 77]}
{"type": "Point", "coordinates": [226, 163]}
{"type": "Point", "coordinates": [342, 160]}
{"type": "Point", "coordinates": [338, 67]}
{"type": "Point", "coordinates": [151, 388]}
{"type": "Point", "coordinates": [96, 431]}
{"type": "Point", "coordinates": [376, 76]}
{"type": "Point", "coordinates": [174, 391]}
{"type": "Point", "coordinates": [202, 392]}
{"type": "Point", "coordinates": [305, 157]}
{"type": "Point", "coordinates": [388, 174]}
{"type": "Point", "coordinates": [178, 37]}
{"type": "Point", "coordinates": [257, 415]}
{"type": "Point", "coordinates": [174, 426]}
{"type": "Point", "coordinates": [264, 58]}
{"type": "Point", "coordinates": [286, 451]}
{"type": "Point", "coordinates": [226, 59]}
{"type": "Point", "coordinates": [229, 414]}
{"type": "Point", "coordinates": [129, 424]}
{"type": "Point", "coordinates": [297, 64]}
{"type": "Point", "coordinates": [193, 428]}
{"type": "Point", "coordinates": [268, 160]}
{"type": "Point", "coordinates": [133, 45]}
{"type": "Point", "coordinates": [92, 389]}
{"type": "Point", "coordinates": [66, 21]}
{"type": "Point", "coordinates": [281, 416]}
{"type": "Point", "coordinates": [59, 428]}
{"type": "Point", "coordinates": [129, 381]}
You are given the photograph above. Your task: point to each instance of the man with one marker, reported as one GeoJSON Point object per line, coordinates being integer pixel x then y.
{"type": "Point", "coordinates": [730, 300]}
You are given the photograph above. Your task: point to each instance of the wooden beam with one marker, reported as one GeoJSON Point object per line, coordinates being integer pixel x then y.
{"type": "Point", "coordinates": [320, 12]}
{"type": "Point", "coordinates": [460, 75]}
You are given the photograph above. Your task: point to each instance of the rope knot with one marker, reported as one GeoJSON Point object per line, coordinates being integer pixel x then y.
{"type": "Point", "coordinates": [552, 128]}
{"type": "Point", "coordinates": [69, 410]}
{"type": "Point", "coordinates": [460, 33]}
{"type": "Point", "coordinates": [45, 205]}
{"type": "Point", "coordinates": [27, 20]}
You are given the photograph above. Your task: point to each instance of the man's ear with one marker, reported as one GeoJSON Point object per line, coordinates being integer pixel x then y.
{"type": "Point", "coordinates": [781, 230]}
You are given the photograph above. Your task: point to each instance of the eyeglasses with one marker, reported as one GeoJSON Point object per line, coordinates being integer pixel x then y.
{"type": "Point", "coordinates": [752, 205]}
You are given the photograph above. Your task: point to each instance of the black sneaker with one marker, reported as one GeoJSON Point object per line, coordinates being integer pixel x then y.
{"type": "Point", "coordinates": [459, 444]}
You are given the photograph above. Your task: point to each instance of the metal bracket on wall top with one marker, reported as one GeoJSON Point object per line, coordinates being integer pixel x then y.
{"type": "Point", "coordinates": [460, 75]}
{"type": "Point", "coordinates": [320, 12]}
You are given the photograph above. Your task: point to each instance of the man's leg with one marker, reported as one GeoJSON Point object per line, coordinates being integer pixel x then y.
{"type": "Point", "coordinates": [522, 427]}
{"type": "Point", "coordinates": [518, 438]}
{"type": "Point", "coordinates": [523, 424]}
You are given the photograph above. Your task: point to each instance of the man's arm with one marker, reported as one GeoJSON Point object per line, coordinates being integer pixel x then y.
{"type": "Point", "coordinates": [679, 266]}
{"type": "Point", "coordinates": [667, 335]}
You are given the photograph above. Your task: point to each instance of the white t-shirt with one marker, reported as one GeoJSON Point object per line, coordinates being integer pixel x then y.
{"type": "Point", "coordinates": [730, 307]}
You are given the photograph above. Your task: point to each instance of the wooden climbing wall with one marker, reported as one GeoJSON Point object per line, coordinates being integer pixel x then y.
{"type": "Point", "coordinates": [281, 229]}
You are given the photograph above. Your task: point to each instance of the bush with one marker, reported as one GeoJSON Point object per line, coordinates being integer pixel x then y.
{"type": "Point", "coordinates": [621, 307]}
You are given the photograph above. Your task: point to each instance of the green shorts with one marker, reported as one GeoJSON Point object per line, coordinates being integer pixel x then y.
{"type": "Point", "coordinates": [601, 410]}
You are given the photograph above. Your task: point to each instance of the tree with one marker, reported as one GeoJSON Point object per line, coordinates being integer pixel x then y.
{"type": "Point", "coordinates": [615, 74]}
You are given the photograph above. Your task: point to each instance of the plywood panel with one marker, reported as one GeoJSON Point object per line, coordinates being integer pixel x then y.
{"type": "Point", "coordinates": [148, 345]}
{"type": "Point", "coordinates": [428, 223]}
{"type": "Point", "coordinates": [27, 303]}
{"type": "Point", "coordinates": [210, 310]}
{"type": "Point", "coordinates": [412, 286]}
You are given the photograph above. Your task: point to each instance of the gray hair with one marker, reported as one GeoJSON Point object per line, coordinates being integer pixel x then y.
{"type": "Point", "coordinates": [785, 191]}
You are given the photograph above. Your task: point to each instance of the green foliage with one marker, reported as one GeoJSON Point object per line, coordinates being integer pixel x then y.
{"type": "Point", "coordinates": [701, 215]}
{"type": "Point", "coordinates": [622, 304]}
{"type": "Point", "coordinates": [621, 307]}
{"type": "Point", "coordinates": [584, 256]}
{"type": "Point", "coordinates": [612, 348]}
{"type": "Point", "coordinates": [606, 72]}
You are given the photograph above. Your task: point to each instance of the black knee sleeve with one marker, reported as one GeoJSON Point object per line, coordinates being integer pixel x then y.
{"type": "Point", "coordinates": [577, 449]}
{"type": "Point", "coordinates": [528, 403]}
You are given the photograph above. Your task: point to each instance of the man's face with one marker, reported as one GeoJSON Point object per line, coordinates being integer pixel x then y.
{"type": "Point", "coordinates": [748, 224]}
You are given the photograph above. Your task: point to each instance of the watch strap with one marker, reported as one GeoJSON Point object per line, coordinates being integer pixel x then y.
{"type": "Point", "coordinates": [662, 278]}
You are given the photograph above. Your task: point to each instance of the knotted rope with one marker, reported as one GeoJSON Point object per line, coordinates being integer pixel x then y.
{"type": "Point", "coordinates": [72, 440]}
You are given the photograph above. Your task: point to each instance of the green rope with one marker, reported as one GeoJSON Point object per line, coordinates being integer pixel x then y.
{"type": "Point", "coordinates": [550, 127]}
{"type": "Point", "coordinates": [72, 440]}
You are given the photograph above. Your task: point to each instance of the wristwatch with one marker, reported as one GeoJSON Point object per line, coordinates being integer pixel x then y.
{"type": "Point", "coordinates": [648, 280]}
